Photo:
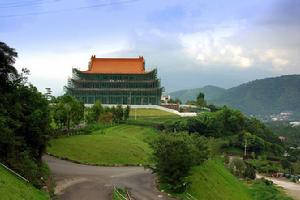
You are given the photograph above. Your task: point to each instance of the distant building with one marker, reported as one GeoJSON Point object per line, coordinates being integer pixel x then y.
{"type": "Point", "coordinates": [165, 98]}
{"type": "Point", "coordinates": [294, 124]}
{"type": "Point", "coordinates": [116, 81]}
{"type": "Point", "coordinates": [282, 138]}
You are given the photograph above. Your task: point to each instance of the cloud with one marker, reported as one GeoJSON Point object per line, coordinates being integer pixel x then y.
{"type": "Point", "coordinates": [275, 58]}
{"type": "Point", "coordinates": [52, 69]}
{"type": "Point", "coordinates": [214, 48]}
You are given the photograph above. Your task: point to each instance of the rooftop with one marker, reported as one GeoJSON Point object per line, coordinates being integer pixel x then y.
{"type": "Point", "coordinates": [116, 65]}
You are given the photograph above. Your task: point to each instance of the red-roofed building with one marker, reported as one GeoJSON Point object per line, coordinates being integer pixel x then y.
{"type": "Point", "coordinates": [116, 81]}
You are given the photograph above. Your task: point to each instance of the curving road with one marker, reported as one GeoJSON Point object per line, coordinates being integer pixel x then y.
{"type": "Point", "coordinates": [84, 182]}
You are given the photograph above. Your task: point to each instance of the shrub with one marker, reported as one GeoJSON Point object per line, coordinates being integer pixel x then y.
{"type": "Point", "coordinates": [174, 155]}
{"type": "Point", "coordinates": [249, 172]}
{"type": "Point", "coordinates": [237, 167]}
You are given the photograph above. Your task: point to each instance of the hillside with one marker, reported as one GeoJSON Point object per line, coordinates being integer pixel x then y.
{"type": "Point", "coordinates": [11, 187]}
{"type": "Point", "coordinates": [211, 92]}
{"type": "Point", "coordinates": [212, 181]}
{"type": "Point", "coordinates": [265, 96]}
{"type": "Point", "coordinates": [118, 145]}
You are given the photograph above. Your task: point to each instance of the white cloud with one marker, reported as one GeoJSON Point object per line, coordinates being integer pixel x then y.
{"type": "Point", "coordinates": [276, 58]}
{"type": "Point", "coordinates": [214, 48]}
{"type": "Point", "coordinates": [52, 69]}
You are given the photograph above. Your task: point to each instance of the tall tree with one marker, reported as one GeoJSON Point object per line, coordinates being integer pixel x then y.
{"type": "Point", "coordinates": [7, 71]}
{"type": "Point", "coordinates": [24, 119]}
{"type": "Point", "coordinates": [200, 101]}
{"type": "Point", "coordinates": [68, 111]}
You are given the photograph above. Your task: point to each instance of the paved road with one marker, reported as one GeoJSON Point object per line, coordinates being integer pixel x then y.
{"type": "Point", "coordinates": [292, 189]}
{"type": "Point", "coordinates": [83, 182]}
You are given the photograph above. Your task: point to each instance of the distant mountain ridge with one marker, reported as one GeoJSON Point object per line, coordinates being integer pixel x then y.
{"type": "Point", "coordinates": [259, 97]}
{"type": "Point", "coordinates": [211, 92]}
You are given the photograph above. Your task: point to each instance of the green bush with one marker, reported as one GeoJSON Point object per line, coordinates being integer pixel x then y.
{"type": "Point", "coordinates": [174, 155]}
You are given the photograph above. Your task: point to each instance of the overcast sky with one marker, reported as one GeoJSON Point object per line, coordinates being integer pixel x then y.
{"type": "Point", "coordinates": [192, 43]}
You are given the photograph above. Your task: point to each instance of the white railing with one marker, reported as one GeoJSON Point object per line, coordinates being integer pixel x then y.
{"type": "Point", "coordinates": [190, 197]}
{"type": "Point", "coordinates": [15, 173]}
{"type": "Point", "coordinates": [121, 196]}
{"type": "Point", "coordinates": [187, 114]}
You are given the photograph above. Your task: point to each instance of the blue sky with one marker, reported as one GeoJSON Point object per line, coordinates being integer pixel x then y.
{"type": "Point", "coordinates": [193, 43]}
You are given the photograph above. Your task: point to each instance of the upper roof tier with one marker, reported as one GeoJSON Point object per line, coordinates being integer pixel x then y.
{"type": "Point", "coordinates": [116, 65]}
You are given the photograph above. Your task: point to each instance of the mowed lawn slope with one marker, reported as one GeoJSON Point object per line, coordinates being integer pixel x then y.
{"type": "Point", "coordinates": [147, 116]}
{"type": "Point", "coordinates": [11, 188]}
{"type": "Point", "coordinates": [118, 145]}
{"type": "Point", "coordinates": [149, 112]}
{"type": "Point", "coordinates": [212, 181]}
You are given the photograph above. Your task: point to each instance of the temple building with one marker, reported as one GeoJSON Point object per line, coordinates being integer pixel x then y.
{"type": "Point", "coordinates": [116, 81]}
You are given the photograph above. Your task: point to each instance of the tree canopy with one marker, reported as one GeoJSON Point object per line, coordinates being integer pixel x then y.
{"type": "Point", "coordinates": [24, 119]}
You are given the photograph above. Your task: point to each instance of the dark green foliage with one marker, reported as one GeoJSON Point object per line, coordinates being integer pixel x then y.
{"type": "Point", "coordinates": [24, 119]}
{"type": "Point", "coordinates": [254, 143]}
{"type": "Point", "coordinates": [292, 134]}
{"type": "Point", "coordinates": [232, 125]}
{"type": "Point", "coordinates": [94, 113]}
{"type": "Point", "coordinates": [175, 101]}
{"type": "Point", "coordinates": [107, 115]}
{"type": "Point", "coordinates": [200, 101]}
{"type": "Point", "coordinates": [265, 166]}
{"type": "Point", "coordinates": [250, 172]}
{"type": "Point", "coordinates": [264, 190]}
{"type": "Point", "coordinates": [126, 112]}
{"type": "Point", "coordinates": [118, 114]}
{"type": "Point", "coordinates": [7, 70]}
{"type": "Point", "coordinates": [174, 155]}
{"type": "Point", "coordinates": [286, 164]}
{"type": "Point", "coordinates": [264, 97]}
{"type": "Point", "coordinates": [67, 111]}
{"type": "Point", "coordinates": [221, 123]}
{"type": "Point", "coordinates": [238, 167]}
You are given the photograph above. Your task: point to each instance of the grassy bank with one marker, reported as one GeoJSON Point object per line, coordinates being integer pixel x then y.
{"type": "Point", "coordinates": [11, 187]}
{"type": "Point", "coordinates": [118, 145]}
{"type": "Point", "coordinates": [151, 117]}
{"type": "Point", "coordinates": [212, 181]}
{"type": "Point", "coordinates": [149, 112]}
{"type": "Point", "coordinates": [262, 191]}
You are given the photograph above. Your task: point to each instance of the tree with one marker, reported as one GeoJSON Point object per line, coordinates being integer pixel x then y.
{"type": "Point", "coordinates": [68, 111]}
{"type": "Point", "coordinates": [176, 101]}
{"type": "Point", "coordinates": [24, 119]}
{"type": "Point", "coordinates": [238, 167]}
{"type": "Point", "coordinates": [119, 113]}
{"type": "Point", "coordinates": [126, 112]}
{"type": "Point", "coordinates": [7, 71]}
{"type": "Point", "coordinates": [95, 112]}
{"type": "Point", "coordinates": [200, 100]}
{"type": "Point", "coordinates": [174, 155]}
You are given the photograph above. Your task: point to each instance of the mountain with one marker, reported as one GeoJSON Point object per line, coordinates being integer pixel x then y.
{"type": "Point", "coordinates": [265, 96]}
{"type": "Point", "coordinates": [210, 92]}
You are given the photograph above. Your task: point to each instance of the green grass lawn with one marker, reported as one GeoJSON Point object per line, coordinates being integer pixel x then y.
{"type": "Point", "coordinates": [149, 112]}
{"type": "Point", "coordinates": [13, 188]}
{"type": "Point", "coordinates": [212, 181]}
{"type": "Point", "coordinates": [118, 145]}
{"type": "Point", "coordinates": [151, 117]}
{"type": "Point", "coordinates": [261, 191]}
{"type": "Point", "coordinates": [119, 194]}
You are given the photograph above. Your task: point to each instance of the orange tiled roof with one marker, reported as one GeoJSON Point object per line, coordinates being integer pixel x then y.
{"type": "Point", "coordinates": [116, 65]}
